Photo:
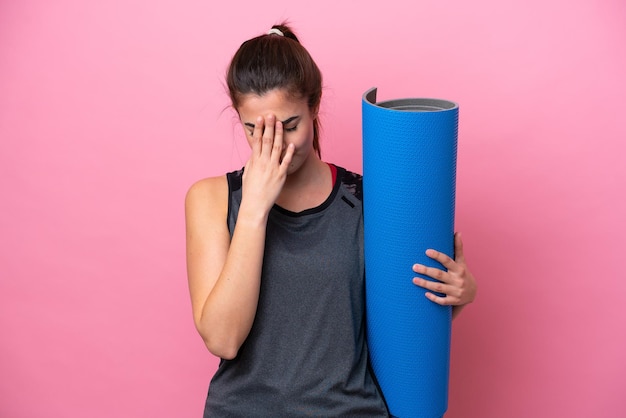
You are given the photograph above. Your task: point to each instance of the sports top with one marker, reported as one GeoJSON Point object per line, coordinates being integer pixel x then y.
{"type": "Point", "coordinates": [306, 354]}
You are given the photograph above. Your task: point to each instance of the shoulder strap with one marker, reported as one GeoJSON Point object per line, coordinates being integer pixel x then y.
{"type": "Point", "coordinates": [352, 181]}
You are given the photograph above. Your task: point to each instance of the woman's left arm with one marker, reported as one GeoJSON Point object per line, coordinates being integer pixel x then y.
{"type": "Point", "coordinates": [457, 284]}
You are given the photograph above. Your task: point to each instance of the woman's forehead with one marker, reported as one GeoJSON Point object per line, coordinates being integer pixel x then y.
{"type": "Point", "coordinates": [278, 102]}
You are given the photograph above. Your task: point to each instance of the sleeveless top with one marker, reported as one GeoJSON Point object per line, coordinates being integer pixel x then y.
{"type": "Point", "coordinates": [306, 354]}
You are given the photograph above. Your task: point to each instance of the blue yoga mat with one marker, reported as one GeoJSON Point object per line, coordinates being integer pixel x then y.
{"type": "Point", "coordinates": [409, 177]}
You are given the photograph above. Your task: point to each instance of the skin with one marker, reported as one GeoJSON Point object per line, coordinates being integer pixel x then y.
{"type": "Point", "coordinates": [458, 283]}
{"type": "Point", "coordinates": [224, 275]}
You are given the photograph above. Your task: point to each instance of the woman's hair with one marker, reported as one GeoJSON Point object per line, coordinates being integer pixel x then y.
{"type": "Point", "coordinates": [276, 60]}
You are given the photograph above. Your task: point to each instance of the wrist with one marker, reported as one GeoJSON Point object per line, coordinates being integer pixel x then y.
{"type": "Point", "coordinates": [252, 215]}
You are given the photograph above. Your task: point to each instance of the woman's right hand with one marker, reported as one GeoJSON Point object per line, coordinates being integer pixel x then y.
{"type": "Point", "coordinates": [266, 170]}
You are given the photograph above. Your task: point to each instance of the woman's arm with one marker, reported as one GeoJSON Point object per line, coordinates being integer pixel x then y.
{"type": "Point", "coordinates": [225, 275]}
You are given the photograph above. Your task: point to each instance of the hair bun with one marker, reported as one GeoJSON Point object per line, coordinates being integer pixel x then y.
{"type": "Point", "coordinates": [283, 29]}
{"type": "Point", "coordinates": [275, 31]}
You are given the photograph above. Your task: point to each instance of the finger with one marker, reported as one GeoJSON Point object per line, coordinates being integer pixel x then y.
{"type": "Point", "coordinates": [444, 259]}
{"type": "Point", "coordinates": [268, 135]}
{"type": "Point", "coordinates": [458, 248]}
{"type": "Point", "coordinates": [441, 288]}
{"type": "Point", "coordinates": [257, 134]}
{"type": "Point", "coordinates": [432, 272]}
{"type": "Point", "coordinates": [284, 164]}
{"type": "Point", "coordinates": [443, 301]}
{"type": "Point", "coordinates": [277, 148]}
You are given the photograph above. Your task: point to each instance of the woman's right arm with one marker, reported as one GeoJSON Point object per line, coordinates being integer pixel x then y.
{"type": "Point", "coordinates": [225, 274]}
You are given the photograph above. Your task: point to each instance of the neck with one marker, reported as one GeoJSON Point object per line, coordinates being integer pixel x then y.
{"type": "Point", "coordinates": [308, 174]}
{"type": "Point", "coordinates": [307, 187]}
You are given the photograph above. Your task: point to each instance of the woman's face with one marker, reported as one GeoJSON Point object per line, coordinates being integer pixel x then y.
{"type": "Point", "coordinates": [295, 115]}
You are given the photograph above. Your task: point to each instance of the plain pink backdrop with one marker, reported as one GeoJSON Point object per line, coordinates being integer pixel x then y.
{"type": "Point", "coordinates": [110, 110]}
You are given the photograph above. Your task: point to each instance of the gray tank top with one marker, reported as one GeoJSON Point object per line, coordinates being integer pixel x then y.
{"type": "Point", "coordinates": [306, 354]}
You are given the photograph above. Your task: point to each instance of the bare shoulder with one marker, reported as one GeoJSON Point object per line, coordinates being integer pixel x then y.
{"type": "Point", "coordinates": [207, 197]}
{"type": "Point", "coordinates": [208, 190]}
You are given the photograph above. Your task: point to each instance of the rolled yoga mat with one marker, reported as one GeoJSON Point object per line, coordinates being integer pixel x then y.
{"type": "Point", "coordinates": [409, 177]}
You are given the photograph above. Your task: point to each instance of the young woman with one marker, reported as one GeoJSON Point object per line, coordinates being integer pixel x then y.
{"type": "Point", "coordinates": [275, 254]}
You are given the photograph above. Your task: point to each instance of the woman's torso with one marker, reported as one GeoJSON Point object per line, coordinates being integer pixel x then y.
{"type": "Point", "coordinates": [306, 353]}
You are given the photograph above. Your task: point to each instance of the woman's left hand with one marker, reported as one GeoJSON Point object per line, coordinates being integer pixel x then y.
{"type": "Point", "coordinates": [457, 284]}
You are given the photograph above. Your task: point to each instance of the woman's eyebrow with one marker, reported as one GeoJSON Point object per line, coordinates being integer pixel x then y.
{"type": "Point", "coordinates": [291, 119]}
{"type": "Point", "coordinates": [284, 122]}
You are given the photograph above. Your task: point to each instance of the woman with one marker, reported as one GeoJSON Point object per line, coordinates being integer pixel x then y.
{"type": "Point", "coordinates": [275, 254]}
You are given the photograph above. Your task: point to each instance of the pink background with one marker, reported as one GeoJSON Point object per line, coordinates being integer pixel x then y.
{"type": "Point", "coordinates": [110, 110]}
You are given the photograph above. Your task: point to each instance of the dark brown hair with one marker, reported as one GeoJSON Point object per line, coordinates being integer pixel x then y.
{"type": "Point", "coordinates": [272, 61]}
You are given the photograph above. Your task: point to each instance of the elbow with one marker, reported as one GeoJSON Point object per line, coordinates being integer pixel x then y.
{"type": "Point", "coordinates": [222, 347]}
{"type": "Point", "coordinates": [222, 351]}
{"type": "Point", "coordinates": [222, 340]}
